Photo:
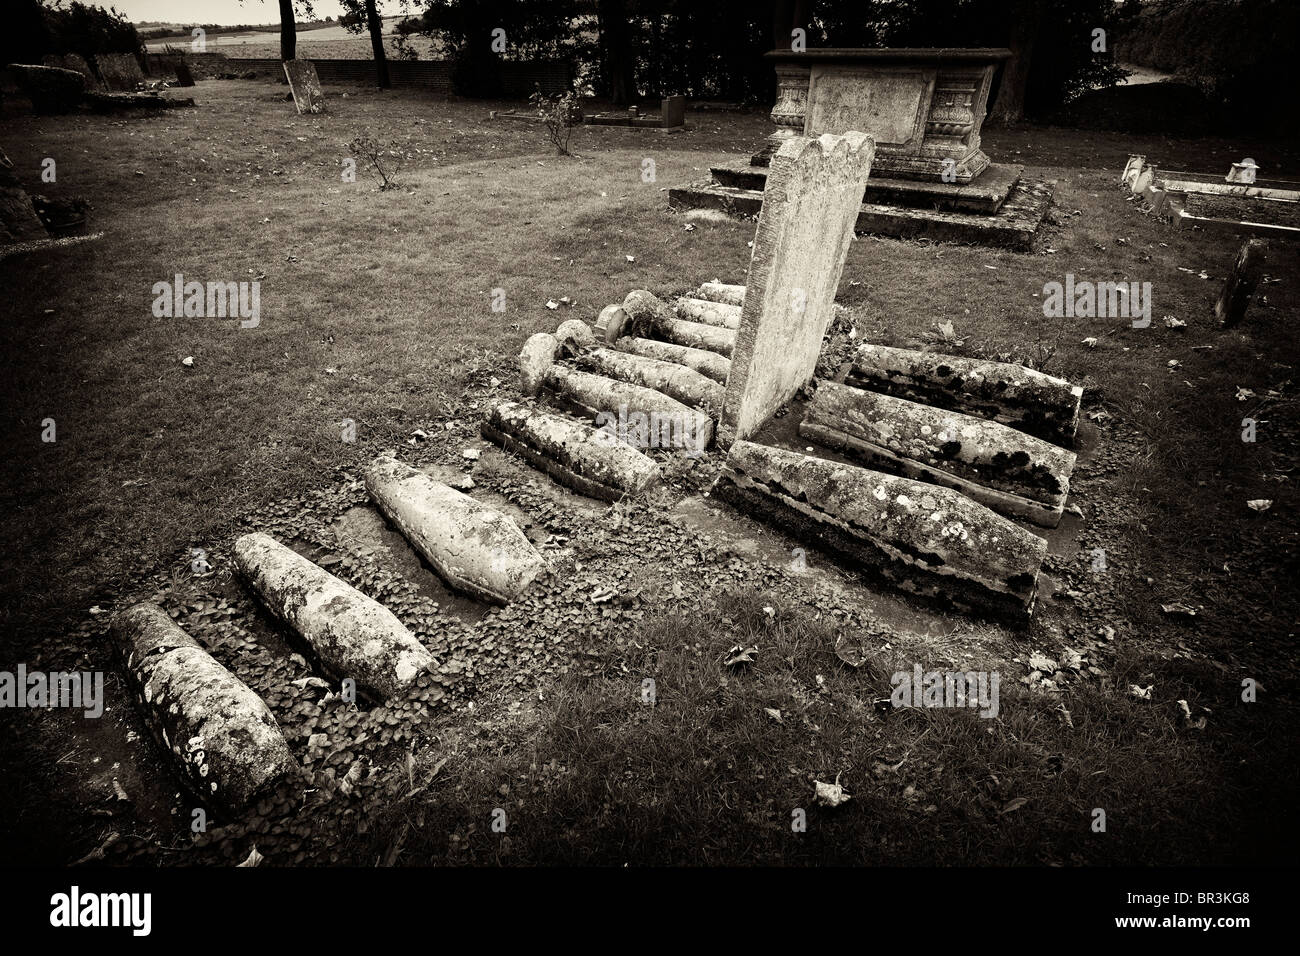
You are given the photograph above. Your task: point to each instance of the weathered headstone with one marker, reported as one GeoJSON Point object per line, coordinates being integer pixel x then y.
{"type": "Point", "coordinates": [305, 85]}
{"type": "Point", "coordinates": [673, 111]}
{"type": "Point", "coordinates": [1240, 285]}
{"type": "Point", "coordinates": [121, 71]}
{"type": "Point", "coordinates": [183, 75]}
{"type": "Point", "coordinates": [810, 204]}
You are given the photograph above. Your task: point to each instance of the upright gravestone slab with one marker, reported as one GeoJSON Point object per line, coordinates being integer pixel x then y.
{"type": "Point", "coordinates": [183, 75]}
{"type": "Point", "coordinates": [810, 204]}
{"type": "Point", "coordinates": [121, 72]}
{"type": "Point", "coordinates": [673, 111]}
{"type": "Point", "coordinates": [305, 85]}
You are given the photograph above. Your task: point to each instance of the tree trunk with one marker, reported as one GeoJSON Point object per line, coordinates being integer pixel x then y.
{"type": "Point", "coordinates": [615, 38]}
{"type": "Point", "coordinates": [376, 27]}
{"type": "Point", "coordinates": [288, 31]}
{"type": "Point", "coordinates": [1009, 107]}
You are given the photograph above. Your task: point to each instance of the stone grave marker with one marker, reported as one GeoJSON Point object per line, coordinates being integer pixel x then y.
{"type": "Point", "coordinates": [810, 204]}
{"type": "Point", "coordinates": [673, 111]}
{"type": "Point", "coordinates": [183, 75]}
{"type": "Point", "coordinates": [305, 85]}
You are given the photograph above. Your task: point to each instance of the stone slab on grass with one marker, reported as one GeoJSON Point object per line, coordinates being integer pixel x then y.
{"type": "Point", "coordinates": [1015, 474]}
{"type": "Point", "coordinates": [220, 735]}
{"type": "Point", "coordinates": [474, 548]}
{"type": "Point", "coordinates": [929, 541]}
{"type": "Point", "coordinates": [351, 634]}
{"type": "Point", "coordinates": [305, 86]}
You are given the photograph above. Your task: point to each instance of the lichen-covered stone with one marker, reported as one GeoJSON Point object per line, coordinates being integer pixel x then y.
{"type": "Point", "coordinates": [606, 398]}
{"type": "Point", "coordinates": [721, 292]}
{"type": "Point", "coordinates": [574, 336]}
{"type": "Point", "coordinates": [928, 540]}
{"type": "Point", "coordinates": [351, 634]}
{"type": "Point", "coordinates": [676, 381]}
{"type": "Point", "coordinates": [650, 317]}
{"type": "Point", "coordinates": [709, 364]}
{"type": "Point", "coordinates": [810, 203]}
{"type": "Point", "coordinates": [221, 736]}
{"type": "Point", "coordinates": [474, 548]}
{"type": "Point", "coordinates": [1007, 470]}
{"type": "Point", "coordinates": [709, 313]}
{"type": "Point", "coordinates": [1023, 398]}
{"type": "Point", "coordinates": [535, 360]}
{"type": "Point", "coordinates": [590, 460]}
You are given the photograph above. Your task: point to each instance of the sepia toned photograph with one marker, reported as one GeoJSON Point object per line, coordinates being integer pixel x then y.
{"type": "Point", "coordinates": [628, 436]}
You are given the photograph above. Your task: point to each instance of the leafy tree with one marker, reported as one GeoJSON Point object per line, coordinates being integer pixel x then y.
{"type": "Point", "coordinates": [34, 28]}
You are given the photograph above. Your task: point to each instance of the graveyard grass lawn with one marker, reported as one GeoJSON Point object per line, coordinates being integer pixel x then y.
{"type": "Point", "coordinates": [376, 307]}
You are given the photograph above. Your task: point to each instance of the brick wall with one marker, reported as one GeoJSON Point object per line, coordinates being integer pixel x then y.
{"type": "Point", "coordinates": [518, 79]}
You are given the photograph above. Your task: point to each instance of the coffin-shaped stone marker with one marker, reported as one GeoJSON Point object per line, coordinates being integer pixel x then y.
{"type": "Point", "coordinates": [710, 313]}
{"type": "Point", "coordinates": [606, 399]}
{"type": "Point", "coordinates": [223, 737]}
{"type": "Point", "coordinates": [649, 316]}
{"type": "Point", "coordinates": [353, 636]}
{"type": "Point", "coordinates": [676, 381]}
{"type": "Point", "coordinates": [592, 461]}
{"type": "Point", "coordinates": [1011, 472]}
{"type": "Point", "coordinates": [930, 541]}
{"type": "Point", "coordinates": [709, 364]}
{"type": "Point", "coordinates": [721, 292]}
{"type": "Point", "coordinates": [474, 548]}
{"type": "Point", "coordinates": [1025, 399]}
{"type": "Point", "coordinates": [811, 203]}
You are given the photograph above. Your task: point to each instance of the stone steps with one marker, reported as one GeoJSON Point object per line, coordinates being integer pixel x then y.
{"type": "Point", "coordinates": [1013, 226]}
{"type": "Point", "coordinates": [983, 196]}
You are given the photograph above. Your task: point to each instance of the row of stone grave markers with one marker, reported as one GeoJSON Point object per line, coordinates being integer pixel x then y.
{"type": "Point", "coordinates": [945, 450]}
{"type": "Point", "coordinates": [220, 734]}
{"type": "Point", "coordinates": [714, 366]}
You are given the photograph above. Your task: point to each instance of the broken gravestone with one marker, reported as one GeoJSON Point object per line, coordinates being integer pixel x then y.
{"type": "Point", "coordinates": [305, 86]}
{"type": "Point", "coordinates": [810, 204]}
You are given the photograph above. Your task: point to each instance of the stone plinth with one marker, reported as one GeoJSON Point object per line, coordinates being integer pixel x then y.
{"type": "Point", "coordinates": [923, 107]}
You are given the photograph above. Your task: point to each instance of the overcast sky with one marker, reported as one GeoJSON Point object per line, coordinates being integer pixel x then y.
{"type": "Point", "coordinates": [223, 11]}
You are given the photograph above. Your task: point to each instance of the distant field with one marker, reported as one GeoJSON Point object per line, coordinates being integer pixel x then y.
{"type": "Point", "coordinates": [324, 43]}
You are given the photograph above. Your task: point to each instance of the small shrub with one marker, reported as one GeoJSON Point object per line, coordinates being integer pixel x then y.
{"type": "Point", "coordinates": [562, 112]}
{"type": "Point", "coordinates": [387, 159]}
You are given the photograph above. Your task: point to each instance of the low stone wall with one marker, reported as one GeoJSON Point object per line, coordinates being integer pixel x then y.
{"type": "Point", "coordinates": [518, 79]}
